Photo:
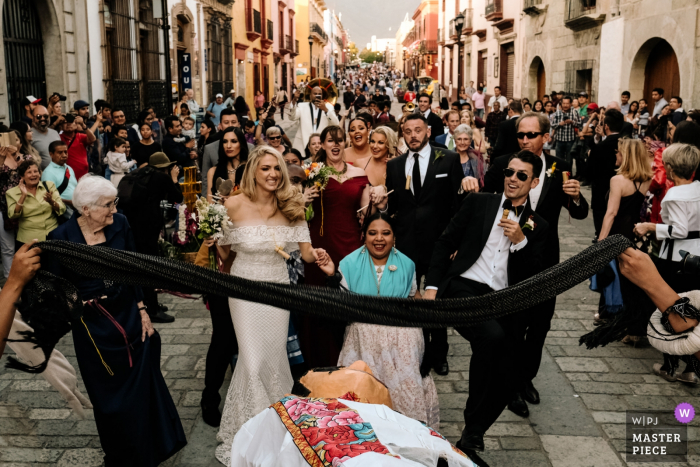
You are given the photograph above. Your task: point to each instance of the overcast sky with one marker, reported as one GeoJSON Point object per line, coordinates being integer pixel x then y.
{"type": "Point", "coordinates": [365, 18]}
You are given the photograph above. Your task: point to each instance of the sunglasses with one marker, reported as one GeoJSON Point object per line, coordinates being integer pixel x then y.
{"type": "Point", "coordinates": [522, 176]}
{"type": "Point", "coordinates": [530, 135]}
{"type": "Point", "coordinates": [271, 138]}
{"type": "Point", "coordinates": [42, 117]}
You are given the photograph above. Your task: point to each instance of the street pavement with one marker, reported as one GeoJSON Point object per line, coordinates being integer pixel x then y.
{"type": "Point", "coordinates": [580, 421]}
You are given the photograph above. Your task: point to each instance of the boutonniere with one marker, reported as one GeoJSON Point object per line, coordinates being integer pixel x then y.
{"type": "Point", "coordinates": [392, 268]}
{"type": "Point", "coordinates": [530, 224]}
{"type": "Point", "coordinates": [438, 155]}
{"type": "Point", "coordinates": [552, 170]}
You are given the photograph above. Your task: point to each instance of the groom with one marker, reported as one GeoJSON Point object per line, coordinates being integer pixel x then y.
{"type": "Point", "coordinates": [499, 241]}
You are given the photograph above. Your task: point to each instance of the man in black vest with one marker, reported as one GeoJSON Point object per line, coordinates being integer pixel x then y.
{"type": "Point", "coordinates": [425, 183]}
{"type": "Point", "coordinates": [547, 200]}
{"type": "Point", "coordinates": [500, 241]}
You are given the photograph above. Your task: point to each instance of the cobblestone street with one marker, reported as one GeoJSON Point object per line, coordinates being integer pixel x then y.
{"type": "Point", "coordinates": [580, 421]}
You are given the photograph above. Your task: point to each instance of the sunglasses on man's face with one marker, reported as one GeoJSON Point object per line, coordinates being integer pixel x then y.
{"type": "Point", "coordinates": [42, 117]}
{"type": "Point", "coordinates": [530, 135]}
{"type": "Point", "coordinates": [522, 176]}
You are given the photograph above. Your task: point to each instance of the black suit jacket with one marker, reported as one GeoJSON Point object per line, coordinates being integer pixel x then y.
{"type": "Point", "coordinates": [552, 199]}
{"type": "Point", "coordinates": [507, 142]}
{"type": "Point", "coordinates": [436, 126]}
{"type": "Point", "coordinates": [419, 222]}
{"type": "Point", "coordinates": [468, 233]}
{"type": "Point", "coordinates": [601, 168]}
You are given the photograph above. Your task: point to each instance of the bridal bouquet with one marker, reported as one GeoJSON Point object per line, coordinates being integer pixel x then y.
{"type": "Point", "coordinates": [318, 174]}
{"type": "Point", "coordinates": [212, 222]}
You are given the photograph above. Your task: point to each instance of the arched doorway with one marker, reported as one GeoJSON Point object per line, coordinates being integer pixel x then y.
{"type": "Point", "coordinates": [537, 79]}
{"type": "Point", "coordinates": [662, 71]}
{"type": "Point", "coordinates": [654, 66]}
{"type": "Point", "coordinates": [24, 54]}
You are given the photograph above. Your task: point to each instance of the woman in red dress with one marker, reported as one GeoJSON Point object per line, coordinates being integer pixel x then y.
{"type": "Point", "coordinates": [336, 227]}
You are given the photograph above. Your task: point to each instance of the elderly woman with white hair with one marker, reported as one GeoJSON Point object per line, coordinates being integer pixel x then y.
{"type": "Point", "coordinates": [117, 349]}
{"type": "Point", "coordinates": [472, 161]}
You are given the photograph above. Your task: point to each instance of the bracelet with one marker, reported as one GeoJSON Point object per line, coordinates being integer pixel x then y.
{"type": "Point", "coordinates": [143, 308]}
{"type": "Point", "coordinates": [20, 205]}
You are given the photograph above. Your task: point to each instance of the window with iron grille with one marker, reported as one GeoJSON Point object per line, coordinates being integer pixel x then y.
{"type": "Point", "coordinates": [154, 89]}
{"type": "Point", "coordinates": [215, 77]}
{"type": "Point", "coordinates": [228, 53]}
{"type": "Point", "coordinates": [579, 77]}
{"type": "Point", "coordinates": [122, 87]}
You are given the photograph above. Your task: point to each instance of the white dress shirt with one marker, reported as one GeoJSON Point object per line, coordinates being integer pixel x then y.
{"type": "Point", "coordinates": [680, 211]}
{"type": "Point", "coordinates": [492, 266]}
{"type": "Point", "coordinates": [426, 113]}
{"type": "Point", "coordinates": [536, 192]}
{"type": "Point", "coordinates": [315, 110]}
{"type": "Point", "coordinates": [423, 161]}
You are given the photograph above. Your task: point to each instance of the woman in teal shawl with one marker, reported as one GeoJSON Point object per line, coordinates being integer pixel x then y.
{"type": "Point", "coordinates": [393, 353]}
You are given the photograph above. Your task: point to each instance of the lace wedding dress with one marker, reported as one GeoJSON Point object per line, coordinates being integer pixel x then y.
{"type": "Point", "coordinates": [262, 375]}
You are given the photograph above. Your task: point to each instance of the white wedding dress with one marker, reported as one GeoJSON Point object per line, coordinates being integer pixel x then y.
{"type": "Point", "coordinates": [262, 375]}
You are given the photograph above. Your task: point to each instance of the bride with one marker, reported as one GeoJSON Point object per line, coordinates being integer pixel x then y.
{"type": "Point", "coordinates": [267, 215]}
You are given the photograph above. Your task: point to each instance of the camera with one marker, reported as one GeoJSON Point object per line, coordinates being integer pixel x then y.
{"type": "Point", "coordinates": [690, 264]}
{"type": "Point", "coordinates": [60, 96]}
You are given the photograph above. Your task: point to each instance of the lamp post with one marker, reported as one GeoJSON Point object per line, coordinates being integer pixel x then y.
{"type": "Point", "coordinates": [311, 63]}
{"type": "Point", "coordinates": [459, 24]}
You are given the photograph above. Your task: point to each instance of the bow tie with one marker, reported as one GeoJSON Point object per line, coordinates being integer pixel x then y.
{"type": "Point", "coordinates": [508, 204]}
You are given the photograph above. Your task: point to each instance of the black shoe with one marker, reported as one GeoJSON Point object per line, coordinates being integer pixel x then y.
{"type": "Point", "coordinates": [470, 441]}
{"type": "Point", "coordinates": [530, 394]}
{"type": "Point", "coordinates": [210, 415]}
{"type": "Point", "coordinates": [475, 458]}
{"type": "Point", "coordinates": [163, 308]}
{"type": "Point", "coordinates": [518, 406]}
{"type": "Point", "coordinates": [162, 317]}
{"type": "Point", "coordinates": [442, 368]}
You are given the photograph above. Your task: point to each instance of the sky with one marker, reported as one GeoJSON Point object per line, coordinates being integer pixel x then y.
{"type": "Point", "coordinates": [365, 18]}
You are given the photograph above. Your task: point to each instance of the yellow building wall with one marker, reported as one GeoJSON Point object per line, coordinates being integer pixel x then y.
{"type": "Point", "coordinates": [239, 31]}
{"type": "Point", "coordinates": [301, 19]}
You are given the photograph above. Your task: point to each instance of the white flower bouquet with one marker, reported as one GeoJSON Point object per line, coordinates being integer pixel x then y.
{"type": "Point", "coordinates": [212, 222]}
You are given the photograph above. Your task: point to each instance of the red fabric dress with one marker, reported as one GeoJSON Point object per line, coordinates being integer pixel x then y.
{"type": "Point", "coordinates": [659, 186]}
{"type": "Point", "coordinates": [320, 340]}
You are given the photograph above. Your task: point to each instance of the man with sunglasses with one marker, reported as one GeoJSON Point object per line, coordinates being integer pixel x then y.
{"type": "Point", "coordinates": [42, 135]}
{"type": "Point", "coordinates": [548, 198]}
{"type": "Point", "coordinates": [500, 241]}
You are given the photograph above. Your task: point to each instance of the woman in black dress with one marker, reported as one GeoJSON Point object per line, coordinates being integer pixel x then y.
{"type": "Point", "coordinates": [141, 151]}
{"type": "Point", "coordinates": [117, 349]}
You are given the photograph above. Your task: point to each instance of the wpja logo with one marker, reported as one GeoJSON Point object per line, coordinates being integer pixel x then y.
{"type": "Point", "coordinates": [655, 436]}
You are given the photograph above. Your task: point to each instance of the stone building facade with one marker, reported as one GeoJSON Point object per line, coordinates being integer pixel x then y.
{"type": "Point", "coordinates": [605, 47]}
{"type": "Point", "coordinates": [43, 52]}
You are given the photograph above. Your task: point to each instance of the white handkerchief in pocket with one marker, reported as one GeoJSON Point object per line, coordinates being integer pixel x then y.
{"type": "Point", "coordinates": [440, 175]}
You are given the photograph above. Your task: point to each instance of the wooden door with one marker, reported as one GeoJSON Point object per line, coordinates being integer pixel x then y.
{"type": "Point", "coordinates": [507, 71]}
{"type": "Point", "coordinates": [662, 72]}
{"type": "Point", "coordinates": [541, 81]}
{"type": "Point", "coordinates": [256, 78]}
{"type": "Point", "coordinates": [481, 69]}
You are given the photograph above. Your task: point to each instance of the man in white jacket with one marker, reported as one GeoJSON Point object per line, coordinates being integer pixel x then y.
{"type": "Point", "coordinates": [314, 116]}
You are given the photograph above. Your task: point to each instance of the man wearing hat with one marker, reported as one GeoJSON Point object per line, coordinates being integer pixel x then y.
{"type": "Point", "coordinates": [215, 108]}
{"type": "Point", "coordinates": [228, 103]}
{"type": "Point", "coordinates": [154, 183]}
{"type": "Point", "coordinates": [29, 103]}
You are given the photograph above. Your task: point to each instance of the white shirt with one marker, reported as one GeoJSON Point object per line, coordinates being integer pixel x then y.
{"type": "Point", "coordinates": [536, 192]}
{"type": "Point", "coordinates": [659, 106]}
{"type": "Point", "coordinates": [680, 212]}
{"type": "Point", "coordinates": [500, 99]}
{"type": "Point", "coordinates": [492, 266]}
{"type": "Point", "coordinates": [426, 113]}
{"type": "Point", "coordinates": [423, 161]}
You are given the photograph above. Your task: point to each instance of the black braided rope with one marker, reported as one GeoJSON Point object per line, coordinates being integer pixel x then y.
{"type": "Point", "coordinates": [161, 273]}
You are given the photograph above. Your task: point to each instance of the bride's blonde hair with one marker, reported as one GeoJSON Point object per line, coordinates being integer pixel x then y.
{"type": "Point", "coordinates": [289, 200]}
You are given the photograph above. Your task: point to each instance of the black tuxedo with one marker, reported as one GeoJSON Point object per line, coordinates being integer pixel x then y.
{"type": "Point", "coordinates": [507, 142]}
{"type": "Point", "coordinates": [552, 200]}
{"type": "Point", "coordinates": [437, 128]}
{"type": "Point", "coordinates": [494, 341]}
{"type": "Point", "coordinates": [468, 233]}
{"type": "Point", "coordinates": [421, 221]}
{"type": "Point", "coordinates": [601, 168]}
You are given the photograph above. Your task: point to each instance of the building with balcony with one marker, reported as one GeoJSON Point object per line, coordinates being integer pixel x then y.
{"type": "Point", "coordinates": [455, 27]}
{"type": "Point", "coordinates": [284, 51]}
{"type": "Point", "coordinates": [43, 52]}
{"type": "Point", "coordinates": [605, 47]}
{"type": "Point", "coordinates": [312, 39]}
{"type": "Point", "coordinates": [420, 43]}
{"type": "Point", "coordinates": [253, 36]}
{"type": "Point", "coordinates": [400, 51]}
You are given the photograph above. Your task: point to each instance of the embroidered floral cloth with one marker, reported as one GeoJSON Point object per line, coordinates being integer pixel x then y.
{"type": "Point", "coordinates": [326, 431]}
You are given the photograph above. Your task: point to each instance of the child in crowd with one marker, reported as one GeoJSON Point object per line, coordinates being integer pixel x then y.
{"type": "Point", "coordinates": [117, 161]}
{"type": "Point", "coordinates": [250, 131]}
{"type": "Point", "coordinates": [188, 128]}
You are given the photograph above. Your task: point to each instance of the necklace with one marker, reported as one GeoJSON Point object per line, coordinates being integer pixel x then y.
{"type": "Point", "coordinates": [379, 271]}
{"type": "Point", "coordinates": [233, 170]}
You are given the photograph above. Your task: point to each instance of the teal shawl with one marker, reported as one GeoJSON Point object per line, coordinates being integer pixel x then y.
{"type": "Point", "coordinates": [360, 274]}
